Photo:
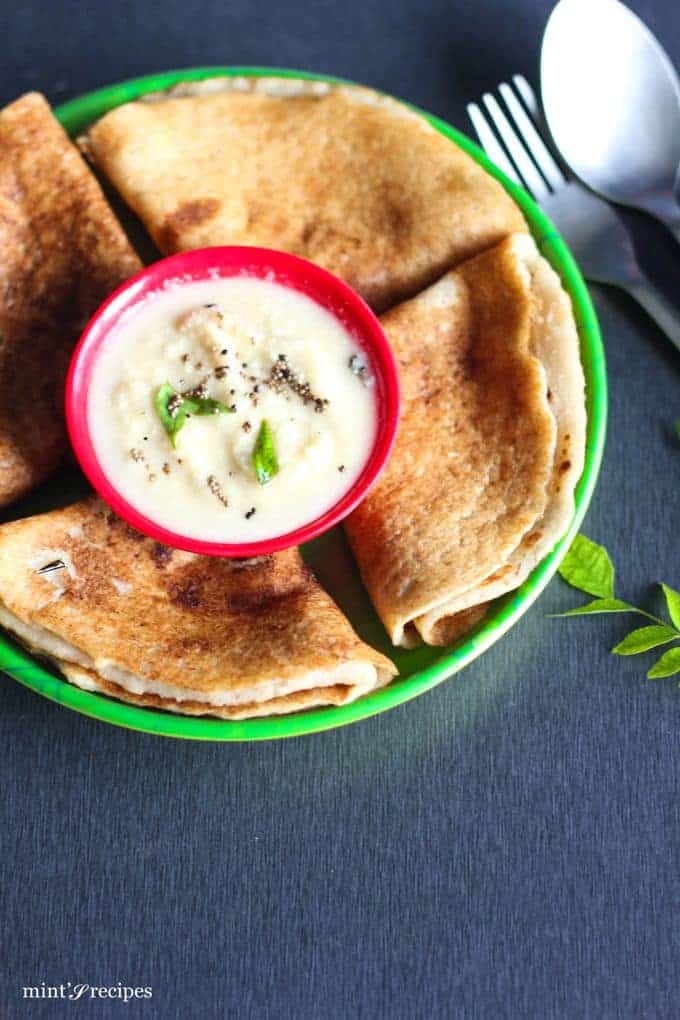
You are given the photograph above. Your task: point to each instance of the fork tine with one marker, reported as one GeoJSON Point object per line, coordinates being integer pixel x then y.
{"type": "Point", "coordinates": [527, 93]}
{"type": "Point", "coordinates": [532, 137]}
{"type": "Point", "coordinates": [533, 181]}
{"type": "Point", "coordinates": [492, 147]}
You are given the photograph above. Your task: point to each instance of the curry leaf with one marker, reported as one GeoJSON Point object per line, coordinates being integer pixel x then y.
{"type": "Point", "coordinates": [600, 606]}
{"type": "Point", "coordinates": [204, 405]}
{"type": "Point", "coordinates": [173, 407]}
{"type": "Point", "coordinates": [644, 638]}
{"type": "Point", "coordinates": [171, 421]}
{"type": "Point", "coordinates": [673, 603]}
{"type": "Point", "coordinates": [587, 566]}
{"type": "Point", "coordinates": [668, 665]}
{"type": "Point", "coordinates": [264, 455]}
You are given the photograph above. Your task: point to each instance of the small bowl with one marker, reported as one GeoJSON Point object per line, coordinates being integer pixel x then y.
{"type": "Point", "coordinates": [210, 263]}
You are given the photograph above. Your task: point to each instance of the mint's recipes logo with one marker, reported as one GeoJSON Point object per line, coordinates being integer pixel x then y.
{"type": "Point", "coordinates": [79, 990]}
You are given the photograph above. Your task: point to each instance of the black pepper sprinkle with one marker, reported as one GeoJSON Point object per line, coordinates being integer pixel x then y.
{"type": "Point", "coordinates": [246, 426]}
{"type": "Point", "coordinates": [233, 407]}
{"type": "Point", "coordinates": [282, 375]}
{"type": "Point", "coordinates": [199, 392]}
{"type": "Point", "coordinates": [217, 490]}
{"type": "Point", "coordinates": [223, 351]}
{"type": "Point", "coordinates": [357, 365]}
{"type": "Point", "coordinates": [341, 468]}
{"type": "Point", "coordinates": [166, 468]}
{"type": "Point", "coordinates": [250, 513]}
{"type": "Point", "coordinates": [174, 404]}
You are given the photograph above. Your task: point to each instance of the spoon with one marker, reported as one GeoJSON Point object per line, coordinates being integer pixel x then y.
{"type": "Point", "coordinates": [612, 101]}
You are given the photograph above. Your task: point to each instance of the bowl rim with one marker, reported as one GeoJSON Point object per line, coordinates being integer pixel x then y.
{"type": "Point", "coordinates": [228, 261]}
{"type": "Point", "coordinates": [74, 116]}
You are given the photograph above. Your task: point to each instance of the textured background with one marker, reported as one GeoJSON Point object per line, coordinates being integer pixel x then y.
{"type": "Point", "coordinates": [505, 846]}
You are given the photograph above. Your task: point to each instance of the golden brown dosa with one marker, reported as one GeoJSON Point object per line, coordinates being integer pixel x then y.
{"type": "Point", "coordinates": [341, 175]}
{"type": "Point", "coordinates": [555, 342]}
{"type": "Point", "coordinates": [62, 253]}
{"type": "Point", "coordinates": [198, 633]}
{"type": "Point", "coordinates": [474, 467]}
{"type": "Point", "coordinates": [339, 694]}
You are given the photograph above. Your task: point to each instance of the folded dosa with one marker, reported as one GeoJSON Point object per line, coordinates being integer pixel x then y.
{"type": "Point", "coordinates": [152, 625]}
{"type": "Point", "coordinates": [62, 253]}
{"type": "Point", "coordinates": [490, 446]}
{"type": "Point", "coordinates": [555, 342]}
{"type": "Point", "coordinates": [315, 697]}
{"type": "Point", "coordinates": [341, 175]}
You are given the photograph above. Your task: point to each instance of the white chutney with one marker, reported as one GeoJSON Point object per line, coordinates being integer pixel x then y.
{"type": "Point", "coordinates": [266, 353]}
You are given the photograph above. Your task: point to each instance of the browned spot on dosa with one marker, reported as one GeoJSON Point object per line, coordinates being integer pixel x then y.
{"type": "Point", "coordinates": [499, 574]}
{"type": "Point", "coordinates": [189, 214]}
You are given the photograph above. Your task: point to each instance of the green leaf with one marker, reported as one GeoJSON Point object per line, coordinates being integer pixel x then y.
{"type": "Point", "coordinates": [204, 405]}
{"type": "Point", "coordinates": [644, 638]}
{"type": "Point", "coordinates": [668, 665]}
{"type": "Point", "coordinates": [673, 603]}
{"type": "Point", "coordinates": [187, 404]}
{"type": "Point", "coordinates": [677, 427]}
{"type": "Point", "coordinates": [587, 566]}
{"type": "Point", "coordinates": [172, 423]}
{"type": "Point", "coordinates": [264, 455]}
{"type": "Point", "coordinates": [600, 606]}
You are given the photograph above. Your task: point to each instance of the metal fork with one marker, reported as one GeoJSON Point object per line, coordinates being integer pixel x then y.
{"type": "Point", "coordinates": [597, 237]}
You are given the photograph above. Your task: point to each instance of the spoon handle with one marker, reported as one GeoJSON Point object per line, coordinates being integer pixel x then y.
{"type": "Point", "coordinates": [665, 208]}
{"type": "Point", "coordinates": [673, 224]}
{"type": "Point", "coordinates": [665, 315]}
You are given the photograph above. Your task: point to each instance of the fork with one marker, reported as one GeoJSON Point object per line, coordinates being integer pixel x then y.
{"type": "Point", "coordinates": [595, 234]}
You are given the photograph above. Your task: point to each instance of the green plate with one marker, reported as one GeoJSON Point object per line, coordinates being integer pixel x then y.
{"type": "Point", "coordinates": [420, 668]}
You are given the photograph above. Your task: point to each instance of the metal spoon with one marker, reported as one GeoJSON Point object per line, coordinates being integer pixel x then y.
{"type": "Point", "coordinates": [612, 101]}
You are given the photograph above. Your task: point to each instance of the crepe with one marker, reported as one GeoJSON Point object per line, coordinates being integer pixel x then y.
{"type": "Point", "coordinates": [337, 694]}
{"type": "Point", "coordinates": [555, 342]}
{"type": "Point", "coordinates": [490, 446]}
{"type": "Point", "coordinates": [62, 253]}
{"type": "Point", "coordinates": [338, 174]}
{"type": "Point", "coordinates": [156, 626]}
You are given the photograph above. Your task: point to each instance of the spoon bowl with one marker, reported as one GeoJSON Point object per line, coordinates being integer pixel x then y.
{"type": "Point", "coordinates": [611, 97]}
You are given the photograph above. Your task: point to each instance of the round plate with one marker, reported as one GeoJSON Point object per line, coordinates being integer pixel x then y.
{"type": "Point", "coordinates": [419, 668]}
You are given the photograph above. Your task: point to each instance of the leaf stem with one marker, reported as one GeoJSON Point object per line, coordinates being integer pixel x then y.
{"type": "Point", "coordinates": [657, 619]}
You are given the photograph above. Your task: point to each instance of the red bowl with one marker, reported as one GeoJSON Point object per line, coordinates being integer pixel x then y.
{"type": "Point", "coordinates": [204, 264]}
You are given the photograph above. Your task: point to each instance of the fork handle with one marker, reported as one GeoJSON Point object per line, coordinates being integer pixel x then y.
{"type": "Point", "coordinates": [665, 315]}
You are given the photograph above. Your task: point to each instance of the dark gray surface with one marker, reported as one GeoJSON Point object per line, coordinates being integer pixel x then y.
{"type": "Point", "coordinates": [505, 846]}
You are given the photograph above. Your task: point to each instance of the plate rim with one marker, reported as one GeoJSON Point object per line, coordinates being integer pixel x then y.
{"type": "Point", "coordinates": [74, 115]}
